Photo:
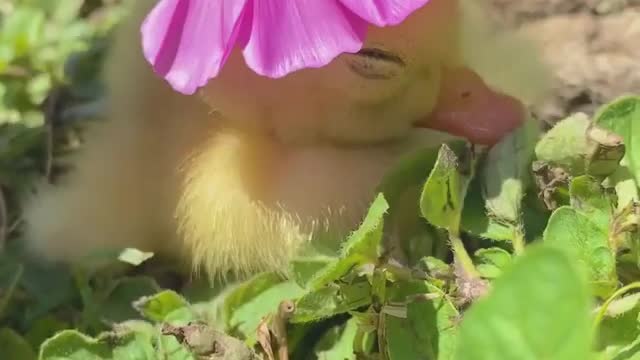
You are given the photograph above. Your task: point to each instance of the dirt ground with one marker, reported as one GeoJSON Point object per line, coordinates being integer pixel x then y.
{"type": "Point", "coordinates": [592, 46]}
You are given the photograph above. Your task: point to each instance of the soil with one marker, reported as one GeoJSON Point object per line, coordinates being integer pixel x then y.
{"type": "Point", "coordinates": [592, 47]}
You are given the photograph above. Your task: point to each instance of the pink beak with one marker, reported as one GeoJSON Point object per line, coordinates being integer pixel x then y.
{"type": "Point", "coordinates": [468, 108]}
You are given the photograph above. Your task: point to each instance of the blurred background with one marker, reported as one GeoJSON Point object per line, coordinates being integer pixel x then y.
{"type": "Point", "coordinates": [591, 45]}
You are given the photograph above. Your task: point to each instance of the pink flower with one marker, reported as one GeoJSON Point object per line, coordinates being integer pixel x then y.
{"type": "Point", "coordinates": [188, 41]}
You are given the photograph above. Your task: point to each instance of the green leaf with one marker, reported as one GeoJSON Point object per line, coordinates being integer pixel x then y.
{"type": "Point", "coordinates": [342, 345]}
{"type": "Point", "coordinates": [442, 198]}
{"type": "Point", "coordinates": [411, 171]}
{"type": "Point", "coordinates": [580, 147]}
{"type": "Point", "coordinates": [564, 145]}
{"type": "Point", "coordinates": [246, 305]}
{"type": "Point", "coordinates": [15, 347]}
{"type": "Point", "coordinates": [23, 29]}
{"type": "Point", "coordinates": [46, 286]}
{"type": "Point", "coordinates": [619, 333]}
{"type": "Point", "coordinates": [428, 331]}
{"type": "Point", "coordinates": [304, 269]}
{"type": "Point", "coordinates": [133, 346]}
{"type": "Point", "coordinates": [583, 231]}
{"type": "Point", "coordinates": [73, 345]}
{"type": "Point", "coordinates": [539, 309]}
{"type": "Point", "coordinates": [626, 187]}
{"type": "Point", "coordinates": [44, 328]}
{"type": "Point", "coordinates": [67, 11]}
{"type": "Point", "coordinates": [401, 186]}
{"type": "Point", "coordinates": [623, 117]}
{"type": "Point", "coordinates": [476, 220]}
{"type": "Point", "coordinates": [119, 305]}
{"type": "Point", "coordinates": [160, 305]}
{"type": "Point", "coordinates": [134, 257]}
{"type": "Point", "coordinates": [362, 247]}
{"type": "Point", "coordinates": [506, 174]}
{"type": "Point", "coordinates": [133, 340]}
{"type": "Point", "coordinates": [492, 262]}
{"type": "Point", "coordinates": [588, 197]}
{"type": "Point", "coordinates": [586, 242]}
{"type": "Point", "coordinates": [10, 276]}
{"type": "Point", "coordinates": [248, 290]}
{"type": "Point", "coordinates": [332, 300]}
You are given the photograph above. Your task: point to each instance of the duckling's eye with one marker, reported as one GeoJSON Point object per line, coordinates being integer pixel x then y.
{"type": "Point", "coordinates": [376, 64]}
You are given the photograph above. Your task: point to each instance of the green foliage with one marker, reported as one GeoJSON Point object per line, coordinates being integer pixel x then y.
{"type": "Point", "coordinates": [543, 229]}
{"type": "Point", "coordinates": [539, 309]}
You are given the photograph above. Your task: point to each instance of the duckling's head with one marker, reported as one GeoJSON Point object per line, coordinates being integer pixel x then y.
{"type": "Point", "coordinates": [442, 68]}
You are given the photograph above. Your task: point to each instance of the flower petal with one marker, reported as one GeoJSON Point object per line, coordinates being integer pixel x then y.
{"type": "Point", "coordinates": [295, 34]}
{"type": "Point", "coordinates": [187, 41]}
{"type": "Point", "coordinates": [384, 12]}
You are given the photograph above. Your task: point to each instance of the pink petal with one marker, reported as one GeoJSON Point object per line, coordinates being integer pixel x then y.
{"type": "Point", "coordinates": [384, 12]}
{"type": "Point", "coordinates": [289, 35]}
{"type": "Point", "coordinates": [188, 41]}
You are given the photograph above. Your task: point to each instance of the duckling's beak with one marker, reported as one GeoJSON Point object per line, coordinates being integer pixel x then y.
{"type": "Point", "coordinates": [468, 108]}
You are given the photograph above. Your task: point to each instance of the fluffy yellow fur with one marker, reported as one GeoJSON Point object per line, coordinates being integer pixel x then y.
{"type": "Point", "coordinates": [220, 205]}
{"type": "Point", "coordinates": [241, 184]}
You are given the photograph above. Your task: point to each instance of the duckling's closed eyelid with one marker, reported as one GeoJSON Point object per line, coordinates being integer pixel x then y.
{"type": "Point", "coordinates": [375, 53]}
{"type": "Point", "coordinates": [376, 64]}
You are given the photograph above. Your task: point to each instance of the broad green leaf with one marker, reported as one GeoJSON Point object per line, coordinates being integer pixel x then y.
{"type": "Point", "coordinates": [304, 269]}
{"type": "Point", "coordinates": [588, 197]}
{"type": "Point", "coordinates": [411, 171]}
{"type": "Point", "coordinates": [583, 230]}
{"type": "Point", "coordinates": [587, 243]}
{"type": "Point", "coordinates": [38, 87]}
{"type": "Point", "coordinates": [157, 307]}
{"type": "Point", "coordinates": [342, 345]}
{"type": "Point", "coordinates": [133, 346]}
{"type": "Point", "coordinates": [441, 202]}
{"type": "Point", "coordinates": [131, 340]}
{"type": "Point", "coordinates": [428, 331]}
{"type": "Point", "coordinates": [15, 347]}
{"type": "Point", "coordinates": [623, 305]}
{"type": "Point", "coordinates": [401, 186]}
{"type": "Point", "coordinates": [623, 117]}
{"type": "Point", "coordinates": [134, 257]}
{"type": "Point", "coordinates": [564, 145]}
{"type": "Point", "coordinates": [580, 147]}
{"type": "Point", "coordinates": [23, 29]}
{"type": "Point", "coordinates": [506, 173]}
{"type": "Point", "coordinates": [625, 185]}
{"type": "Point", "coordinates": [44, 328]}
{"type": "Point", "coordinates": [332, 300]}
{"type": "Point", "coordinates": [477, 221]}
{"type": "Point", "coordinates": [67, 11]}
{"type": "Point", "coordinates": [492, 262]}
{"type": "Point", "coordinates": [619, 333]}
{"type": "Point", "coordinates": [119, 304]}
{"type": "Point", "coordinates": [362, 247]}
{"type": "Point", "coordinates": [247, 305]}
{"type": "Point", "coordinates": [169, 347]}
{"type": "Point", "coordinates": [73, 345]}
{"type": "Point", "coordinates": [538, 309]}
{"type": "Point", "coordinates": [47, 286]}
{"type": "Point", "coordinates": [364, 244]}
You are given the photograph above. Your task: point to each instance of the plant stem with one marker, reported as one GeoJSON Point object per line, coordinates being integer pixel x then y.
{"type": "Point", "coordinates": [462, 256]}
{"type": "Point", "coordinates": [518, 241]}
{"type": "Point", "coordinates": [605, 306]}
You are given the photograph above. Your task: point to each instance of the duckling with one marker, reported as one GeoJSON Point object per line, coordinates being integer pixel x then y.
{"type": "Point", "coordinates": [242, 176]}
